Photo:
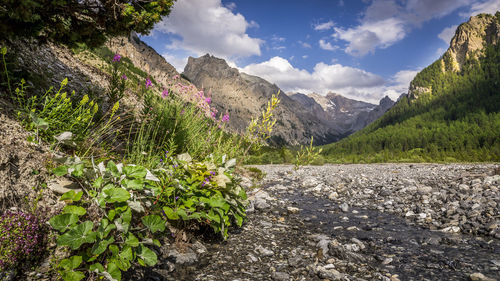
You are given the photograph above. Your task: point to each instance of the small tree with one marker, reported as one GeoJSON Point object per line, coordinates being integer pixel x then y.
{"type": "Point", "coordinates": [80, 21]}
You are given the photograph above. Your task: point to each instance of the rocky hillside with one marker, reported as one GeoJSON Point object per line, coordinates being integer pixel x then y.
{"type": "Point", "coordinates": [244, 96]}
{"type": "Point", "coordinates": [343, 114]}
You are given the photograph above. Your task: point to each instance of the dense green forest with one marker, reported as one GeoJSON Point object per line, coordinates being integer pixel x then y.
{"type": "Point", "coordinates": [457, 120]}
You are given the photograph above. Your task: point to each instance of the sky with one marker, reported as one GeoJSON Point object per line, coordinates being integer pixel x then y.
{"type": "Point", "coordinates": [361, 49]}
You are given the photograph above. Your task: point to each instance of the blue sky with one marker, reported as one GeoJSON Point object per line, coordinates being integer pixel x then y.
{"type": "Point", "coordinates": [362, 49]}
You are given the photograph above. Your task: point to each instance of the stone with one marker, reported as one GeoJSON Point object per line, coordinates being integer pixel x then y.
{"type": "Point", "coordinates": [292, 210]}
{"type": "Point", "coordinates": [263, 251]}
{"type": "Point", "coordinates": [344, 207]}
{"type": "Point", "coordinates": [330, 274]}
{"type": "Point", "coordinates": [187, 257]}
{"type": "Point", "coordinates": [62, 185]}
{"type": "Point", "coordinates": [280, 276]}
{"type": "Point", "coordinates": [424, 189]}
{"type": "Point", "coordinates": [480, 277]}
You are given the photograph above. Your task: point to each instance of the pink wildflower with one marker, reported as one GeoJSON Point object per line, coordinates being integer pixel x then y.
{"type": "Point", "coordinates": [208, 100]}
{"type": "Point", "coordinates": [164, 94]}
{"type": "Point", "coordinates": [124, 77]}
{"type": "Point", "coordinates": [117, 57]}
{"type": "Point", "coordinates": [225, 118]}
{"type": "Point", "coordinates": [148, 83]}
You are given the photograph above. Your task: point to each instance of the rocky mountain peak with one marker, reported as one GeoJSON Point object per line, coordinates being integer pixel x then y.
{"type": "Point", "coordinates": [386, 101]}
{"type": "Point", "coordinates": [471, 37]}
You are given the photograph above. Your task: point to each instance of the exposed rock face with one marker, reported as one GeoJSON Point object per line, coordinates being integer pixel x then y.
{"type": "Point", "coordinates": [469, 41]}
{"type": "Point", "coordinates": [471, 37]}
{"type": "Point", "coordinates": [143, 57]}
{"type": "Point", "coordinates": [244, 96]}
{"type": "Point", "coordinates": [365, 118]}
{"type": "Point", "coordinates": [343, 114]}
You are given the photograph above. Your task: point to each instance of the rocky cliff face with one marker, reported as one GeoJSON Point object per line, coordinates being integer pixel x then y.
{"type": "Point", "coordinates": [343, 114]}
{"type": "Point", "coordinates": [468, 42]}
{"type": "Point", "coordinates": [245, 96]}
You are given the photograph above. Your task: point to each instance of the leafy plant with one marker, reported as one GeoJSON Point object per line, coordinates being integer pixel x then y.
{"type": "Point", "coordinates": [109, 226]}
{"type": "Point", "coordinates": [260, 129]}
{"type": "Point", "coordinates": [200, 192]}
{"type": "Point", "coordinates": [21, 238]}
{"type": "Point", "coordinates": [307, 155]}
{"type": "Point", "coordinates": [117, 81]}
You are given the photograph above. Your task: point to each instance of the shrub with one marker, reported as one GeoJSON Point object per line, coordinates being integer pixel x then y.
{"type": "Point", "coordinates": [21, 238]}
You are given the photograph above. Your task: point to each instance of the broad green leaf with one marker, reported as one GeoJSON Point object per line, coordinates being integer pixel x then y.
{"type": "Point", "coordinates": [70, 275]}
{"type": "Point", "coordinates": [101, 245]}
{"type": "Point", "coordinates": [136, 206]}
{"type": "Point", "coordinates": [71, 196]}
{"type": "Point", "coordinates": [78, 235]}
{"type": "Point", "coordinates": [136, 172]}
{"type": "Point", "coordinates": [60, 171]}
{"type": "Point", "coordinates": [96, 267]}
{"type": "Point", "coordinates": [147, 255]}
{"type": "Point", "coordinates": [182, 214]}
{"type": "Point", "coordinates": [98, 183]}
{"type": "Point", "coordinates": [105, 228]}
{"type": "Point", "coordinates": [111, 214]}
{"type": "Point", "coordinates": [114, 250]}
{"type": "Point", "coordinates": [127, 253]}
{"type": "Point", "coordinates": [71, 263]}
{"type": "Point", "coordinates": [116, 195]}
{"type": "Point", "coordinates": [131, 240]}
{"type": "Point", "coordinates": [114, 271]}
{"type": "Point", "coordinates": [63, 222]}
{"type": "Point", "coordinates": [154, 223]}
{"type": "Point", "coordinates": [78, 170]}
{"type": "Point", "coordinates": [135, 184]}
{"type": "Point", "coordinates": [76, 210]}
{"type": "Point", "coordinates": [113, 169]}
{"type": "Point", "coordinates": [171, 215]}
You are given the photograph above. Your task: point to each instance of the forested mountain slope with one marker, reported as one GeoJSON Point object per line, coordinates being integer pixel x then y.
{"type": "Point", "coordinates": [452, 109]}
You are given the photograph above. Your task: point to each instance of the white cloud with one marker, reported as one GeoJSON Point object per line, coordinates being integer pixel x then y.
{"type": "Point", "coordinates": [489, 7]}
{"type": "Point", "coordinates": [324, 26]}
{"type": "Point", "coordinates": [367, 37]}
{"type": "Point", "coordinates": [341, 3]}
{"type": "Point", "coordinates": [206, 26]}
{"type": "Point", "coordinates": [305, 44]}
{"type": "Point", "coordinates": [305, 56]}
{"type": "Point", "coordinates": [178, 62]}
{"type": "Point", "coordinates": [351, 82]}
{"type": "Point", "coordinates": [348, 81]}
{"type": "Point", "coordinates": [448, 33]}
{"type": "Point", "coordinates": [327, 46]}
{"type": "Point", "coordinates": [386, 22]}
{"type": "Point", "coordinates": [231, 6]}
{"type": "Point", "coordinates": [399, 83]}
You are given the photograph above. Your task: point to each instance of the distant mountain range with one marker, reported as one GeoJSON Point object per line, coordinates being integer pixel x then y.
{"type": "Point", "coordinates": [451, 111]}
{"type": "Point", "coordinates": [328, 118]}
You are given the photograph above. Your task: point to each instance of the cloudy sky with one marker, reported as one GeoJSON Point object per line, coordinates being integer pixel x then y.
{"type": "Point", "coordinates": [362, 49]}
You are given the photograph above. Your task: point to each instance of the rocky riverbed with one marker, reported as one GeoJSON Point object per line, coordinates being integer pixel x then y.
{"type": "Point", "coordinates": [356, 222]}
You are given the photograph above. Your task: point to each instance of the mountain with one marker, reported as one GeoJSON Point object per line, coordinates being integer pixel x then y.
{"type": "Point", "coordinates": [451, 111]}
{"type": "Point", "coordinates": [244, 96]}
{"type": "Point", "coordinates": [340, 113]}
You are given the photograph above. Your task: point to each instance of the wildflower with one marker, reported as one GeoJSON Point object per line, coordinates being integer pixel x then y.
{"type": "Point", "coordinates": [182, 112]}
{"type": "Point", "coordinates": [164, 94]}
{"type": "Point", "coordinates": [115, 107]}
{"type": "Point", "coordinates": [84, 100]}
{"type": "Point", "coordinates": [148, 83]}
{"type": "Point", "coordinates": [208, 100]}
{"type": "Point", "coordinates": [175, 77]}
{"type": "Point", "coordinates": [176, 198]}
{"type": "Point", "coordinates": [124, 77]}
{"type": "Point", "coordinates": [225, 118]}
{"type": "Point", "coordinates": [117, 57]}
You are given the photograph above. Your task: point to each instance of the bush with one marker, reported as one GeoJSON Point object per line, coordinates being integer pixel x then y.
{"type": "Point", "coordinates": [21, 238]}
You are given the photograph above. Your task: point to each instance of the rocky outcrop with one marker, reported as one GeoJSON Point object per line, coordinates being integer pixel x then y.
{"type": "Point", "coordinates": [469, 42]}
{"type": "Point", "coordinates": [365, 118]}
{"type": "Point", "coordinates": [244, 96]}
{"type": "Point", "coordinates": [143, 57]}
{"type": "Point", "coordinates": [471, 37]}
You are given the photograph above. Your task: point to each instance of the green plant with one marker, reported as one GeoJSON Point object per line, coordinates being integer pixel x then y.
{"type": "Point", "coordinates": [260, 129]}
{"type": "Point", "coordinates": [21, 238]}
{"type": "Point", "coordinates": [307, 155]}
{"type": "Point", "coordinates": [55, 113]}
{"type": "Point", "coordinates": [73, 21]}
{"type": "Point", "coordinates": [117, 81]}
{"type": "Point", "coordinates": [200, 192]}
{"type": "Point", "coordinates": [108, 226]}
